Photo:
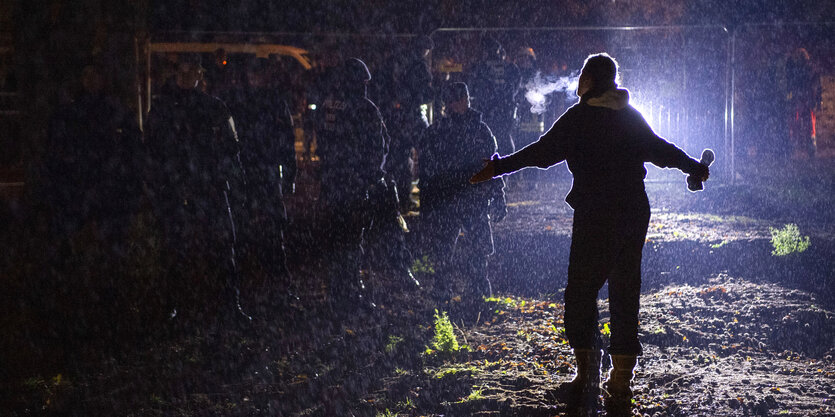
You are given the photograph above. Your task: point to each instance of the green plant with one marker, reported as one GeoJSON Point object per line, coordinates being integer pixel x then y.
{"type": "Point", "coordinates": [387, 413]}
{"type": "Point", "coordinates": [719, 245]}
{"type": "Point", "coordinates": [34, 382]}
{"type": "Point", "coordinates": [476, 394]}
{"type": "Point", "coordinates": [445, 340]}
{"type": "Point", "coordinates": [788, 240]}
{"type": "Point", "coordinates": [606, 330]}
{"type": "Point", "coordinates": [406, 405]}
{"type": "Point", "coordinates": [454, 370]}
{"type": "Point", "coordinates": [505, 302]}
{"type": "Point", "coordinates": [423, 266]}
{"type": "Point", "coordinates": [392, 343]}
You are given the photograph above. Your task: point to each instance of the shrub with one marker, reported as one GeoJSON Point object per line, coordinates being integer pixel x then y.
{"type": "Point", "coordinates": [445, 340]}
{"type": "Point", "coordinates": [788, 240]}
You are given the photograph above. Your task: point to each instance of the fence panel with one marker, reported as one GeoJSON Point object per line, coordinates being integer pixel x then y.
{"type": "Point", "coordinates": [784, 93]}
{"type": "Point", "coordinates": [677, 76]}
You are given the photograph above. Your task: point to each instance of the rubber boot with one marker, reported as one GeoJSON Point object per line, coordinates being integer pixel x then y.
{"type": "Point", "coordinates": [620, 377]}
{"type": "Point", "coordinates": [586, 383]}
{"type": "Point", "coordinates": [618, 400]}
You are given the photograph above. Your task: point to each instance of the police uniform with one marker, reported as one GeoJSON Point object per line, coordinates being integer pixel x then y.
{"type": "Point", "coordinates": [265, 127]}
{"type": "Point", "coordinates": [404, 85]}
{"type": "Point", "coordinates": [196, 182]}
{"type": "Point", "coordinates": [351, 145]}
{"type": "Point", "coordinates": [92, 169]}
{"type": "Point", "coordinates": [493, 85]}
{"type": "Point", "coordinates": [453, 149]}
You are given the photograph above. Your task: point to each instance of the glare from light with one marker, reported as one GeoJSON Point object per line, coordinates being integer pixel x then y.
{"type": "Point", "coordinates": [645, 110]}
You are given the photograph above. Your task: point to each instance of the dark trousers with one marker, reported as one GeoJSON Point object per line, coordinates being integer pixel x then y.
{"type": "Point", "coordinates": [444, 226]}
{"type": "Point", "coordinates": [384, 240]}
{"type": "Point", "coordinates": [343, 221]}
{"type": "Point", "coordinates": [199, 257]}
{"type": "Point", "coordinates": [606, 244]}
{"type": "Point", "coordinates": [262, 231]}
{"type": "Point", "coordinates": [406, 128]}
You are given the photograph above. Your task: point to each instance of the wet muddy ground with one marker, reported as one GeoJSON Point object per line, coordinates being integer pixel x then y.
{"type": "Point", "coordinates": [728, 329]}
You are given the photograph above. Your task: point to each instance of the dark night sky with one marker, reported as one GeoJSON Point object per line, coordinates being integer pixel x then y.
{"type": "Point", "coordinates": [426, 15]}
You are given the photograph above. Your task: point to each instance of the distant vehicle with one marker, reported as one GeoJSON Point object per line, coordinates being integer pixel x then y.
{"type": "Point", "coordinates": [224, 57]}
{"type": "Point", "coordinates": [259, 50]}
{"type": "Point", "coordinates": [219, 50]}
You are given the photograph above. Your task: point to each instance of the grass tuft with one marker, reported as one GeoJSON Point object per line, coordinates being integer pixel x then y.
{"type": "Point", "coordinates": [423, 266]}
{"type": "Point", "coordinates": [475, 395]}
{"type": "Point", "coordinates": [392, 343]}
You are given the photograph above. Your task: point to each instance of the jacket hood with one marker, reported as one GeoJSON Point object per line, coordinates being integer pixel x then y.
{"type": "Point", "coordinates": [615, 99]}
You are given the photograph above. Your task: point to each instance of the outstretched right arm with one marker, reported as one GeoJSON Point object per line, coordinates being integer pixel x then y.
{"type": "Point", "coordinates": [552, 148]}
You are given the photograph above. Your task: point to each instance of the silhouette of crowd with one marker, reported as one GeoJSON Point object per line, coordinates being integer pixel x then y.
{"type": "Point", "coordinates": [211, 169]}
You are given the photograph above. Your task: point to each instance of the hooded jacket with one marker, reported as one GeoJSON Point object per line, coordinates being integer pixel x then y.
{"type": "Point", "coordinates": [605, 142]}
{"type": "Point", "coordinates": [352, 142]}
{"type": "Point", "coordinates": [192, 141]}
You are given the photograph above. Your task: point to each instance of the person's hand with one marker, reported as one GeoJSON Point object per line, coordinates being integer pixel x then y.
{"type": "Point", "coordinates": [700, 171]}
{"type": "Point", "coordinates": [486, 173]}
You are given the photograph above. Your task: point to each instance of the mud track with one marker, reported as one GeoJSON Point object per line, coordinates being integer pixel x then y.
{"type": "Point", "coordinates": [727, 329]}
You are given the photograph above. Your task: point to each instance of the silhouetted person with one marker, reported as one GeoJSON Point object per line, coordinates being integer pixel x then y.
{"type": "Point", "coordinates": [265, 129]}
{"type": "Point", "coordinates": [493, 86]}
{"type": "Point", "coordinates": [455, 146]}
{"type": "Point", "coordinates": [403, 85]}
{"type": "Point", "coordinates": [605, 142]}
{"type": "Point", "coordinates": [196, 185]}
{"type": "Point", "coordinates": [351, 142]}
{"type": "Point", "coordinates": [92, 172]}
{"type": "Point", "coordinates": [803, 96]}
{"type": "Point", "coordinates": [90, 189]}
{"type": "Point", "coordinates": [318, 84]}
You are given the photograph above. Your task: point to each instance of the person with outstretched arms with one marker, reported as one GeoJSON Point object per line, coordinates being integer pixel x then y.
{"type": "Point", "coordinates": [605, 143]}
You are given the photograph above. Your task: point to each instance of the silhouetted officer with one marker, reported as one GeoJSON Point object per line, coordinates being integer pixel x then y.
{"type": "Point", "coordinates": [493, 84]}
{"type": "Point", "coordinates": [351, 142]}
{"type": "Point", "coordinates": [86, 194]}
{"type": "Point", "coordinates": [92, 165]}
{"type": "Point", "coordinates": [454, 147]}
{"type": "Point", "coordinates": [265, 129]}
{"type": "Point", "coordinates": [196, 183]}
{"type": "Point", "coordinates": [803, 96]}
{"type": "Point", "coordinates": [605, 142]}
{"type": "Point", "coordinates": [318, 83]}
{"type": "Point", "coordinates": [403, 85]}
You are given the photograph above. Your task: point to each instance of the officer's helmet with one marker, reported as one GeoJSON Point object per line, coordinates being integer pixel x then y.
{"type": "Point", "coordinates": [490, 47]}
{"type": "Point", "coordinates": [423, 43]}
{"type": "Point", "coordinates": [356, 71]}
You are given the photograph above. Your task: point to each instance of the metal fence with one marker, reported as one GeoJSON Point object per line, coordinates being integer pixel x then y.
{"type": "Point", "coordinates": [679, 77]}
{"type": "Point", "coordinates": [775, 68]}
{"type": "Point", "coordinates": [698, 86]}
